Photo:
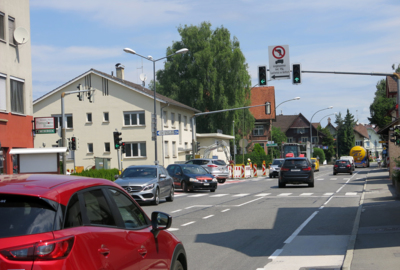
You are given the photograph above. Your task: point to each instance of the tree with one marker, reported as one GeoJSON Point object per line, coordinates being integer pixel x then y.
{"type": "Point", "coordinates": [211, 76]}
{"type": "Point", "coordinates": [380, 106]}
{"type": "Point", "coordinates": [345, 133]}
{"type": "Point", "coordinates": [328, 141]}
{"type": "Point", "coordinates": [319, 153]}
{"type": "Point", "coordinates": [278, 137]}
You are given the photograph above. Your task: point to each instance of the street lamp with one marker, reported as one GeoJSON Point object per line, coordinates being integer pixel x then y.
{"type": "Point", "coordinates": [330, 107]}
{"type": "Point", "coordinates": [150, 58]}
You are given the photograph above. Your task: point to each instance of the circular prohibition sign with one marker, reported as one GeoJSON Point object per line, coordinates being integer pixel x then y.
{"type": "Point", "coordinates": [278, 52]}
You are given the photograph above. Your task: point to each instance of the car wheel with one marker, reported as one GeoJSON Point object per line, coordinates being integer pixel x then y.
{"type": "Point", "coordinates": [270, 176]}
{"type": "Point", "coordinates": [311, 184]}
{"type": "Point", "coordinates": [184, 186]}
{"type": "Point", "coordinates": [351, 173]}
{"type": "Point", "coordinates": [212, 190]}
{"type": "Point", "coordinates": [334, 173]}
{"type": "Point", "coordinates": [171, 195]}
{"type": "Point", "coordinates": [282, 185]}
{"type": "Point", "coordinates": [221, 181]}
{"type": "Point", "coordinates": [178, 266]}
{"type": "Point", "coordinates": [157, 197]}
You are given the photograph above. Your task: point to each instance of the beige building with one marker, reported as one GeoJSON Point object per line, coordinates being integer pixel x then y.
{"type": "Point", "coordinates": [120, 105]}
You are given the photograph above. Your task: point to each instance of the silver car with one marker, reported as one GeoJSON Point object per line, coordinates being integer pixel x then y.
{"type": "Point", "coordinates": [147, 183]}
{"type": "Point", "coordinates": [216, 167]}
{"type": "Point", "coordinates": [275, 167]}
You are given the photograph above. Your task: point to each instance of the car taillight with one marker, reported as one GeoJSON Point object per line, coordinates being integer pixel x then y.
{"type": "Point", "coordinates": [213, 166]}
{"type": "Point", "coordinates": [41, 251]}
{"type": "Point", "coordinates": [307, 169]}
{"type": "Point", "coordinates": [336, 166]}
{"type": "Point", "coordinates": [285, 169]}
{"type": "Point", "coordinates": [348, 166]}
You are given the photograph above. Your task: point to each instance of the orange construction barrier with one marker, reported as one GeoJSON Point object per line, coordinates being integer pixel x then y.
{"type": "Point", "coordinates": [242, 174]}
{"type": "Point", "coordinates": [264, 169]}
{"type": "Point", "coordinates": [255, 170]}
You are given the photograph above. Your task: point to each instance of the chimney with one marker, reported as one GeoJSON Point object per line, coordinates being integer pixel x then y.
{"type": "Point", "coordinates": [329, 120]}
{"type": "Point", "coordinates": [120, 71]}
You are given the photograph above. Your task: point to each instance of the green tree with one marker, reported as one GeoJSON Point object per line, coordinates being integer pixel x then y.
{"type": "Point", "coordinates": [319, 153]}
{"type": "Point", "coordinates": [328, 141]}
{"type": "Point", "coordinates": [278, 137]}
{"type": "Point", "coordinates": [345, 133]}
{"type": "Point", "coordinates": [380, 106]}
{"type": "Point", "coordinates": [211, 76]}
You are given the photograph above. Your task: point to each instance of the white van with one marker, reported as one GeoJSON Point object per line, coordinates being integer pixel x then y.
{"type": "Point", "coordinates": [351, 159]}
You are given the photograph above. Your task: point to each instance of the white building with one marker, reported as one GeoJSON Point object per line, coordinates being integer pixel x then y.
{"type": "Point", "coordinates": [118, 105]}
{"type": "Point", "coordinates": [373, 144]}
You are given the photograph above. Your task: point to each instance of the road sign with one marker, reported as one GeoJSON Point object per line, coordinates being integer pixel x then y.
{"type": "Point", "coordinates": [167, 132]}
{"type": "Point", "coordinates": [272, 144]}
{"type": "Point", "coordinates": [44, 125]}
{"type": "Point", "coordinates": [279, 62]}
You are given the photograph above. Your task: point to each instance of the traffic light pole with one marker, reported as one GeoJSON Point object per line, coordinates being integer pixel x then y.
{"type": "Point", "coordinates": [119, 161]}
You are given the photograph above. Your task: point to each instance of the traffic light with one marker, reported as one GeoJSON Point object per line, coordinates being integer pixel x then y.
{"type": "Point", "coordinates": [59, 143]}
{"type": "Point", "coordinates": [80, 95]}
{"type": "Point", "coordinates": [117, 139]}
{"type": "Point", "coordinates": [262, 75]}
{"type": "Point", "coordinates": [73, 143]}
{"type": "Point", "coordinates": [90, 95]}
{"type": "Point", "coordinates": [197, 146]}
{"type": "Point", "coordinates": [296, 69]}
{"type": "Point", "coordinates": [123, 149]}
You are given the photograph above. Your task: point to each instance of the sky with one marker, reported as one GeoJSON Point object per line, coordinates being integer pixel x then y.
{"type": "Point", "coordinates": [70, 37]}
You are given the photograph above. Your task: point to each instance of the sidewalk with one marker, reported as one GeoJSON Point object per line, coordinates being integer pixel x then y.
{"type": "Point", "coordinates": [377, 227]}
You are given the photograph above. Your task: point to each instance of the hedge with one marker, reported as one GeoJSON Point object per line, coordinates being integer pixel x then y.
{"type": "Point", "coordinates": [101, 173]}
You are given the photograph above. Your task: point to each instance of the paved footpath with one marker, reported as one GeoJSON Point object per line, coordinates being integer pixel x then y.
{"type": "Point", "coordinates": [377, 227]}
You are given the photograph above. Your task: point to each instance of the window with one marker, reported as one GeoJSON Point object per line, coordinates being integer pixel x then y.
{"type": "Point", "coordinates": [290, 139]}
{"type": "Point", "coordinates": [172, 119]}
{"type": "Point", "coordinates": [165, 117]}
{"type": "Point", "coordinates": [180, 128]}
{"type": "Point", "coordinates": [166, 152]}
{"type": "Point", "coordinates": [90, 148]}
{"type": "Point", "coordinates": [2, 25]}
{"type": "Point", "coordinates": [137, 149]}
{"type": "Point", "coordinates": [367, 144]}
{"type": "Point", "coordinates": [314, 139]}
{"type": "Point", "coordinates": [359, 143]}
{"type": "Point", "coordinates": [174, 149]}
{"type": "Point", "coordinates": [97, 209]}
{"type": "Point", "coordinates": [3, 104]}
{"type": "Point", "coordinates": [57, 121]}
{"type": "Point", "coordinates": [17, 96]}
{"type": "Point", "coordinates": [73, 217]}
{"type": "Point", "coordinates": [301, 130]}
{"type": "Point", "coordinates": [134, 119]}
{"type": "Point", "coordinates": [11, 29]}
{"type": "Point", "coordinates": [304, 139]}
{"type": "Point", "coordinates": [107, 147]}
{"type": "Point", "coordinates": [258, 130]}
{"type": "Point", "coordinates": [106, 117]}
{"type": "Point", "coordinates": [130, 213]}
{"type": "Point", "coordinates": [186, 145]}
{"type": "Point", "coordinates": [267, 107]}
{"type": "Point", "coordinates": [89, 117]}
{"type": "Point", "coordinates": [185, 122]}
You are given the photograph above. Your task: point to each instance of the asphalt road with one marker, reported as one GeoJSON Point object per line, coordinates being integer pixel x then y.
{"type": "Point", "coordinates": [253, 224]}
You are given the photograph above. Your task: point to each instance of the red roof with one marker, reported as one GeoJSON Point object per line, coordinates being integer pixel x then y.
{"type": "Point", "coordinates": [259, 96]}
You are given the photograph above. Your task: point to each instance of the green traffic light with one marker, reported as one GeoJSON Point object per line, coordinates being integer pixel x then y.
{"type": "Point", "coordinates": [296, 79]}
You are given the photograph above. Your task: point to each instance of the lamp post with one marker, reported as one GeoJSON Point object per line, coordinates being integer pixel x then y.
{"type": "Point", "coordinates": [150, 58]}
{"type": "Point", "coordinates": [330, 107]}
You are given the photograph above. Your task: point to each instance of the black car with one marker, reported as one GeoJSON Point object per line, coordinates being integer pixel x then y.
{"type": "Point", "coordinates": [296, 171]}
{"type": "Point", "coordinates": [189, 177]}
{"type": "Point", "coordinates": [342, 166]}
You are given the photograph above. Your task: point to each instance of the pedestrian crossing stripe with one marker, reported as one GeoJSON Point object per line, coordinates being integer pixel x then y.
{"type": "Point", "coordinates": [219, 195]}
{"type": "Point", "coordinates": [320, 179]}
{"type": "Point", "coordinates": [351, 193]}
{"type": "Point", "coordinates": [262, 194]}
{"type": "Point", "coordinates": [328, 194]}
{"type": "Point", "coordinates": [197, 195]}
{"type": "Point", "coordinates": [306, 194]}
{"type": "Point", "coordinates": [333, 178]}
{"type": "Point", "coordinates": [285, 194]}
{"type": "Point", "coordinates": [258, 195]}
{"type": "Point", "coordinates": [241, 195]}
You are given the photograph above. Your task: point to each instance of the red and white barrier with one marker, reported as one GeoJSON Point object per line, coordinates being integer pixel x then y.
{"type": "Point", "coordinates": [264, 169]}
{"type": "Point", "coordinates": [255, 170]}
{"type": "Point", "coordinates": [243, 172]}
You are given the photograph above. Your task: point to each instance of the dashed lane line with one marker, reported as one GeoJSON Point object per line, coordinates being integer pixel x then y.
{"type": "Point", "coordinates": [191, 222]}
{"type": "Point", "coordinates": [208, 216]}
{"type": "Point", "coordinates": [225, 210]}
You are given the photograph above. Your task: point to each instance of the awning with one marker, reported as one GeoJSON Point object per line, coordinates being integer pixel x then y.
{"type": "Point", "coordinates": [27, 151]}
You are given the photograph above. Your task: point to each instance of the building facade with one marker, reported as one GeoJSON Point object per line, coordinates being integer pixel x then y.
{"type": "Point", "coordinates": [15, 82]}
{"type": "Point", "coordinates": [118, 105]}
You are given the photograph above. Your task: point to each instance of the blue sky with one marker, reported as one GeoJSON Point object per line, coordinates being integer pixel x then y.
{"type": "Point", "coordinates": [70, 37]}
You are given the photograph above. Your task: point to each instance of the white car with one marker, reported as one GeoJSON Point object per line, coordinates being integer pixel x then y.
{"type": "Point", "coordinates": [351, 159]}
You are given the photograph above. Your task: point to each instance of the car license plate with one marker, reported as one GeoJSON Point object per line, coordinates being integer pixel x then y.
{"type": "Point", "coordinates": [295, 170]}
{"type": "Point", "coordinates": [206, 184]}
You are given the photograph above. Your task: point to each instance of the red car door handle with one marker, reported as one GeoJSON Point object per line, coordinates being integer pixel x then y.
{"type": "Point", "coordinates": [142, 251]}
{"type": "Point", "coordinates": [104, 251]}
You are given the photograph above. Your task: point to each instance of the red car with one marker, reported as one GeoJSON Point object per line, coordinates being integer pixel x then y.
{"type": "Point", "coordinates": [68, 222]}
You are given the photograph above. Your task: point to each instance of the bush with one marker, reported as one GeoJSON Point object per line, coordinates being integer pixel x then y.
{"type": "Point", "coordinates": [102, 173]}
{"type": "Point", "coordinates": [257, 156]}
{"type": "Point", "coordinates": [318, 152]}
{"type": "Point", "coordinates": [396, 170]}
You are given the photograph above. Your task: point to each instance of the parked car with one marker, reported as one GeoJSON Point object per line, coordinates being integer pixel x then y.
{"type": "Point", "coordinates": [275, 167]}
{"type": "Point", "coordinates": [189, 177]}
{"type": "Point", "coordinates": [147, 183]}
{"type": "Point", "coordinates": [351, 160]}
{"type": "Point", "coordinates": [217, 167]}
{"type": "Point", "coordinates": [296, 171]}
{"type": "Point", "coordinates": [316, 163]}
{"type": "Point", "coordinates": [342, 166]}
{"type": "Point", "coordinates": [70, 222]}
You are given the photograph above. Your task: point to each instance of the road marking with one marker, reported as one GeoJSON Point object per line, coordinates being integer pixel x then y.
{"type": "Point", "coordinates": [179, 194]}
{"type": "Point", "coordinates": [320, 179]}
{"type": "Point", "coordinates": [275, 254]}
{"type": "Point", "coordinates": [285, 194]}
{"type": "Point", "coordinates": [176, 211]}
{"type": "Point", "coordinates": [191, 222]}
{"type": "Point", "coordinates": [208, 216]}
{"type": "Point", "coordinates": [241, 195]}
{"type": "Point", "coordinates": [219, 195]}
{"type": "Point", "coordinates": [298, 230]}
{"type": "Point", "coordinates": [333, 179]}
{"type": "Point", "coordinates": [262, 194]}
{"type": "Point", "coordinates": [350, 193]}
{"type": "Point", "coordinates": [306, 194]}
{"type": "Point", "coordinates": [225, 210]}
{"type": "Point", "coordinates": [346, 178]}
{"type": "Point", "coordinates": [198, 206]}
{"type": "Point", "coordinates": [328, 194]}
{"type": "Point", "coordinates": [197, 195]}
{"type": "Point", "coordinates": [173, 229]}
{"type": "Point", "coordinates": [249, 201]}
